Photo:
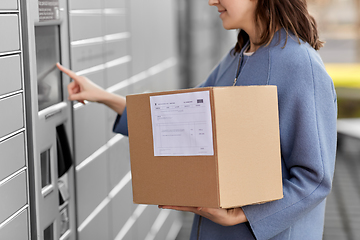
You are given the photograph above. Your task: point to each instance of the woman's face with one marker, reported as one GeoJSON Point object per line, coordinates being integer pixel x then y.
{"type": "Point", "coordinates": [236, 14]}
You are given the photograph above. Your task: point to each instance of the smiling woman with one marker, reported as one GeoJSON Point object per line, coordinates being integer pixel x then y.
{"type": "Point", "coordinates": [277, 45]}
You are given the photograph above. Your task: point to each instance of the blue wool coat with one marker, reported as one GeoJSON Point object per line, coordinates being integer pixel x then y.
{"type": "Point", "coordinates": [307, 118]}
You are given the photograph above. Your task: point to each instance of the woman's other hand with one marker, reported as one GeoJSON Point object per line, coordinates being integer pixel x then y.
{"type": "Point", "coordinates": [82, 88]}
{"type": "Point", "coordinates": [224, 217]}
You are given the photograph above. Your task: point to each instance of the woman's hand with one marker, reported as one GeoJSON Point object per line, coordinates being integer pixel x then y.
{"type": "Point", "coordinates": [225, 217]}
{"type": "Point", "coordinates": [82, 88]}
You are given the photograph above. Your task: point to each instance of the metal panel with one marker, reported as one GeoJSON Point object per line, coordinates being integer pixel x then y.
{"type": "Point", "coordinates": [117, 74]}
{"type": "Point", "coordinates": [119, 161]}
{"type": "Point", "coordinates": [11, 110]}
{"type": "Point", "coordinates": [13, 196]}
{"type": "Point", "coordinates": [12, 155]}
{"type": "Point", "coordinates": [17, 228]}
{"type": "Point", "coordinates": [85, 26]}
{"type": "Point", "coordinates": [114, 3]}
{"type": "Point", "coordinates": [87, 56]}
{"type": "Point", "coordinates": [115, 23]}
{"type": "Point", "coordinates": [90, 130]}
{"type": "Point", "coordinates": [8, 4]}
{"type": "Point", "coordinates": [98, 228]}
{"type": "Point", "coordinates": [10, 74]}
{"type": "Point", "coordinates": [116, 49]}
{"type": "Point", "coordinates": [121, 209]}
{"type": "Point", "coordinates": [9, 28]}
{"type": "Point", "coordinates": [92, 187]}
{"type": "Point", "coordinates": [164, 230]}
{"type": "Point", "coordinates": [85, 4]}
{"type": "Point", "coordinates": [97, 77]}
{"type": "Point", "coordinates": [145, 221]}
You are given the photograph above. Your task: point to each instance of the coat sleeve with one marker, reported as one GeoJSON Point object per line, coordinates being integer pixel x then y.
{"type": "Point", "coordinates": [307, 115]}
{"type": "Point", "coordinates": [120, 124]}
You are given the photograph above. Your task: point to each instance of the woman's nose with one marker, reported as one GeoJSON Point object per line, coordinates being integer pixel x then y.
{"type": "Point", "coordinates": [213, 2]}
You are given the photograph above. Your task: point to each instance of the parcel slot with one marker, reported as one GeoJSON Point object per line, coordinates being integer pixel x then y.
{"type": "Point", "coordinates": [64, 162]}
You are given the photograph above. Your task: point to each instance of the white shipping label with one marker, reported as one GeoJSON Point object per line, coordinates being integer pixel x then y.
{"type": "Point", "coordinates": [181, 124]}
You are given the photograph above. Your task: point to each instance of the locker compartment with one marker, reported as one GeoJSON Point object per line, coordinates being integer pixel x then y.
{"type": "Point", "coordinates": [164, 230]}
{"type": "Point", "coordinates": [146, 220]}
{"type": "Point", "coordinates": [13, 196]}
{"type": "Point", "coordinates": [10, 35]}
{"type": "Point", "coordinates": [98, 228]}
{"type": "Point", "coordinates": [10, 69]}
{"type": "Point", "coordinates": [87, 56]}
{"type": "Point", "coordinates": [143, 85]}
{"type": "Point", "coordinates": [92, 186]}
{"type": "Point", "coordinates": [16, 229]}
{"type": "Point", "coordinates": [8, 5]}
{"type": "Point", "coordinates": [12, 118]}
{"type": "Point", "coordinates": [119, 161]}
{"type": "Point", "coordinates": [115, 49]}
{"type": "Point", "coordinates": [97, 77]}
{"type": "Point", "coordinates": [115, 23]}
{"type": "Point", "coordinates": [117, 74]}
{"type": "Point", "coordinates": [114, 3]}
{"type": "Point", "coordinates": [121, 209]}
{"type": "Point", "coordinates": [85, 26]}
{"type": "Point", "coordinates": [165, 80]}
{"type": "Point", "coordinates": [12, 155]}
{"type": "Point", "coordinates": [90, 130]}
{"type": "Point", "coordinates": [85, 4]}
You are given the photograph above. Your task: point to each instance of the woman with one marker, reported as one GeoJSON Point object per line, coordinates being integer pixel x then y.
{"type": "Point", "coordinates": [276, 45]}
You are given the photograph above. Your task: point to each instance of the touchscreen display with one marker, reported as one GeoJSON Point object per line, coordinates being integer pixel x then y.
{"type": "Point", "coordinates": [47, 55]}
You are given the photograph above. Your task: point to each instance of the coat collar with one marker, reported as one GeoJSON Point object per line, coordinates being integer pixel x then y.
{"type": "Point", "coordinates": [257, 69]}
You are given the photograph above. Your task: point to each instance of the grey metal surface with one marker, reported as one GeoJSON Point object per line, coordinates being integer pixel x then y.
{"type": "Point", "coordinates": [9, 29]}
{"type": "Point", "coordinates": [119, 162]}
{"type": "Point", "coordinates": [12, 117]}
{"type": "Point", "coordinates": [98, 228]}
{"type": "Point", "coordinates": [86, 56]}
{"type": "Point", "coordinates": [85, 4]}
{"type": "Point", "coordinates": [116, 74]}
{"type": "Point", "coordinates": [89, 130]}
{"type": "Point", "coordinates": [12, 155]}
{"type": "Point", "coordinates": [115, 3]}
{"type": "Point", "coordinates": [13, 196]}
{"type": "Point", "coordinates": [115, 22]}
{"type": "Point", "coordinates": [85, 26]}
{"type": "Point", "coordinates": [115, 50]}
{"type": "Point", "coordinates": [92, 186]}
{"type": "Point", "coordinates": [8, 4]}
{"type": "Point", "coordinates": [17, 228]}
{"type": "Point", "coordinates": [10, 74]}
{"type": "Point", "coordinates": [120, 209]}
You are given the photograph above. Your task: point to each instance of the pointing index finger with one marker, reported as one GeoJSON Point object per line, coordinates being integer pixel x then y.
{"type": "Point", "coordinates": [67, 71]}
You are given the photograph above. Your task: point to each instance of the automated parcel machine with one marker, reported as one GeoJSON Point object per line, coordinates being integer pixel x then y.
{"type": "Point", "coordinates": [49, 120]}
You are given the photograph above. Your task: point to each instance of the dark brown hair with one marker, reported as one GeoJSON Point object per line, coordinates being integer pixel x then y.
{"type": "Point", "coordinates": [292, 15]}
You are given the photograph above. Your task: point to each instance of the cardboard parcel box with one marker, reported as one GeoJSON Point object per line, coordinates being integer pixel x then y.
{"type": "Point", "coordinates": [208, 147]}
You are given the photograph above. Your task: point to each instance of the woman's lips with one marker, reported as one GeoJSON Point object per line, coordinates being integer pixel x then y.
{"type": "Point", "coordinates": [221, 12]}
